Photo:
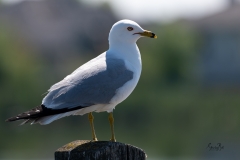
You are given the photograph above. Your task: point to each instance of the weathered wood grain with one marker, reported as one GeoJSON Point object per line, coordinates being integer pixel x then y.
{"type": "Point", "coordinates": [99, 150]}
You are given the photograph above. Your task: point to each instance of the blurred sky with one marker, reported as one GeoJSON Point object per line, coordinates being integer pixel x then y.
{"type": "Point", "coordinates": [159, 10]}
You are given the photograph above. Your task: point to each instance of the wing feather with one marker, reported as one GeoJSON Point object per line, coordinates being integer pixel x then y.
{"type": "Point", "coordinates": [96, 82]}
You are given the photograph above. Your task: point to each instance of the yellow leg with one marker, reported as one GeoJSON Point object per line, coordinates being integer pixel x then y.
{"type": "Point", "coordinates": [90, 118]}
{"type": "Point", "coordinates": [111, 120]}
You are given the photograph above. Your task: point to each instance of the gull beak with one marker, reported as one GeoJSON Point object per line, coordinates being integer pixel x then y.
{"type": "Point", "coordinates": [147, 34]}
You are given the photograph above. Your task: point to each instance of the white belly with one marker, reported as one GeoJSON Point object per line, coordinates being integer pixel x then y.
{"type": "Point", "coordinates": [123, 92]}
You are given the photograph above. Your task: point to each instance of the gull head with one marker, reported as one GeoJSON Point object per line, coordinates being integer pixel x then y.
{"type": "Point", "coordinates": [127, 31]}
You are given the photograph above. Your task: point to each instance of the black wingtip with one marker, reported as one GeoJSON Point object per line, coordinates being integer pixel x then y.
{"type": "Point", "coordinates": [12, 119]}
{"type": "Point", "coordinates": [40, 111]}
{"type": "Point", "coordinates": [33, 113]}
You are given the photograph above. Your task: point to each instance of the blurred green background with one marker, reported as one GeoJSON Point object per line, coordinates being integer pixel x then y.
{"type": "Point", "coordinates": [188, 95]}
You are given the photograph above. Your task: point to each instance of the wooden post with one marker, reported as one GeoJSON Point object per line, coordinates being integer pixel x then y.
{"type": "Point", "coordinates": [99, 150]}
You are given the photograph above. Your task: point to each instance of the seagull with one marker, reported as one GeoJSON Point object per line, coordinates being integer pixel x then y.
{"type": "Point", "coordinates": [98, 85]}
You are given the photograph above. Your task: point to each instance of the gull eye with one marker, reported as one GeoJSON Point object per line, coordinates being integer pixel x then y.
{"type": "Point", "coordinates": [130, 28]}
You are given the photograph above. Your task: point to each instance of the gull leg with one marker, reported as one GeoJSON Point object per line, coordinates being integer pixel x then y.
{"type": "Point", "coordinates": [111, 120]}
{"type": "Point", "coordinates": [90, 118]}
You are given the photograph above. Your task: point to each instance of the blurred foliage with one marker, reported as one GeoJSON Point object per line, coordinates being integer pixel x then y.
{"type": "Point", "coordinates": [168, 114]}
{"type": "Point", "coordinates": [171, 56]}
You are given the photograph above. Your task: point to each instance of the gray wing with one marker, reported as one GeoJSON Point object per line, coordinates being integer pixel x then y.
{"type": "Point", "coordinates": [95, 82]}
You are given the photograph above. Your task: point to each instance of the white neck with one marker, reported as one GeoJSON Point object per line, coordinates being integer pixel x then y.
{"type": "Point", "coordinates": [129, 52]}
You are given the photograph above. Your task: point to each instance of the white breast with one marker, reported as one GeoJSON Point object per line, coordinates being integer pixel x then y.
{"type": "Point", "coordinates": [133, 63]}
